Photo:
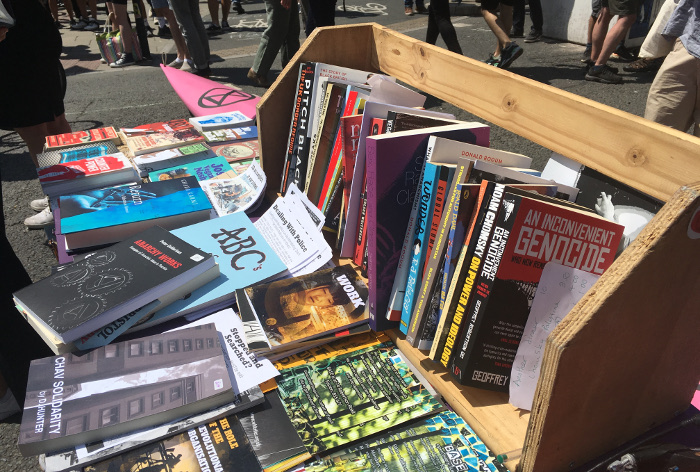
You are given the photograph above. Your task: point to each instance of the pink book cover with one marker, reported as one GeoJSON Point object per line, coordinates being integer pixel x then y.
{"type": "Point", "coordinates": [394, 162]}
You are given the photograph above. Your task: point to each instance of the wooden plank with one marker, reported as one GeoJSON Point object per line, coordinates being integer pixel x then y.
{"type": "Point", "coordinates": [626, 358]}
{"type": "Point", "coordinates": [652, 158]}
{"type": "Point", "coordinates": [499, 424]}
{"type": "Point", "coordinates": [347, 46]}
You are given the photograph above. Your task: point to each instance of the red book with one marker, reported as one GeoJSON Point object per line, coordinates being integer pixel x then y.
{"type": "Point", "coordinates": [443, 183]}
{"type": "Point", "coordinates": [350, 136]}
{"type": "Point", "coordinates": [158, 127]}
{"type": "Point", "coordinates": [96, 135]}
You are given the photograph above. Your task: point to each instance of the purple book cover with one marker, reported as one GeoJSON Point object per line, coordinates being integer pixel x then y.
{"type": "Point", "coordinates": [394, 162]}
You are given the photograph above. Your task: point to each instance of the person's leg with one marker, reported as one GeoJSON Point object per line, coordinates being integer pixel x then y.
{"type": "Point", "coordinates": [518, 18]}
{"type": "Point", "coordinates": [225, 10]}
{"type": "Point", "coordinates": [213, 6]}
{"type": "Point", "coordinates": [614, 37]}
{"type": "Point", "coordinates": [439, 10]}
{"type": "Point", "coordinates": [291, 45]}
{"type": "Point", "coordinates": [180, 44]}
{"type": "Point", "coordinates": [190, 29]}
{"type": "Point", "coordinates": [272, 38]}
{"type": "Point", "coordinates": [536, 14]}
{"type": "Point", "coordinates": [35, 136]}
{"type": "Point", "coordinates": [600, 31]}
{"type": "Point", "coordinates": [53, 7]}
{"type": "Point", "coordinates": [673, 96]}
{"type": "Point", "coordinates": [121, 17]}
{"type": "Point", "coordinates": [494, 22]}
{"type": "Point", "coordinates": [408, 7]}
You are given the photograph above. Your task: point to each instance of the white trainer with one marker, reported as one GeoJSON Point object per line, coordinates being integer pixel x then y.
{"type": "Point", "coordinates": [38, 221]}
{"type": "Point", "coordinates": [39, 204]}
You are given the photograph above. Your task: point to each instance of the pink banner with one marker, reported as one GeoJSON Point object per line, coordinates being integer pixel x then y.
{"type": "Point", "coordinates": [208, 97]}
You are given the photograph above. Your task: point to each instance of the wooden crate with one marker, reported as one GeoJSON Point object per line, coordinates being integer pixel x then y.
{"type": "Point", "coordinates": [626, 358]}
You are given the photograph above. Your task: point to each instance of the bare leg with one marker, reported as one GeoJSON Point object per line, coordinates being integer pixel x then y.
{"type": "Point", "coordinates": [93, 9]}
{"type": "Point", "coordinates": [600, 30]}
{"type": "Point", "coordinates": [180, 44]}
{"type": "Point", "coordinates": [614, 37]}
{"type": "Point", "coordinates": [122, 19]}
{"type": "Point", "coordinates": [35, 136]}
{"type": "Point", "coordinates": [53, 6]}
{"type": "Point", "coordinates": [225, 9]}
{"type": "Point", "coordinates": [498, 27]}
{"type": "Point", "coordinates": [214, 11]}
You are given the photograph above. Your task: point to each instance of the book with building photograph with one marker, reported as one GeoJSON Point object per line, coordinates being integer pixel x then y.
{"type": "Point", "coordinates": [122, 387]}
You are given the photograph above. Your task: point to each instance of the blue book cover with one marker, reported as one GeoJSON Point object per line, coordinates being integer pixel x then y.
{"type": "Point", "coordinates": [244, 257]}
{"type": "Point", "coordinates": [96, 150]}
{"type": "Point", "coordinates": [428, 189]}
{"type": "Point", "coordinates": [114, 206]}
{"type": "Point", "coordinates": [203, 170]}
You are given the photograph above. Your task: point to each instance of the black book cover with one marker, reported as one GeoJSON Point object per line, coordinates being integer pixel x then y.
{"type": "Point", "coordinates": [111, 283]}
{"type": "Point", "coordinates": [122, 387]}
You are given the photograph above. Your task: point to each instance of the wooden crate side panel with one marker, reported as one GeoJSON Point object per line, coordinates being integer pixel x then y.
{"type": "Point", "coordinates": [626, 358]}
{"type": "Point", "coordinates": [499, 424]}
{"type": "Point", "coordinates": [348, 46]}
{"type": "Point", "coordinates": [652, 158]}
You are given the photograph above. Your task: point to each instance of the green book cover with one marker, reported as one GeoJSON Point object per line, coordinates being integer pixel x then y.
{"type": "Point", "coordinates": [344, 398]}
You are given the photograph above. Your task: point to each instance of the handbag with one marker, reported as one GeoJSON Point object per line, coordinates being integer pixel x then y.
{"type": "Point", "coordinates": [110, 45]}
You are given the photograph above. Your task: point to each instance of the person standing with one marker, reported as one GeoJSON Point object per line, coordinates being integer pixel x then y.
{"type": "Point", "coordinates": [319, 13]}
{"type": "Point", "coordinates": [674, 96]}
{"type": "Point", "coordinates": [535, 33]}
{"type": "Point", "coordinates": [192, 27]}
{"type": "Point", "coordinates": [439, 23]}
{"type": "Point", "coordinates": [121, 18]}
{"type": "Point", "coordinates": [499, 18]}
{"type": "Point", "coordinates": [408, 7]}
{"type": "Point", "coordinates": [281, 35]}
{"type": "Point", "coordinates": [605, 42]}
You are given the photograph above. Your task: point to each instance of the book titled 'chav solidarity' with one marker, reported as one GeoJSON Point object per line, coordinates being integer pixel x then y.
{"type": "Point", "coordinates": [103, 216]}
{"type": "Point", "coordinates": [111, 283]}
{"type": "Point", "coordinates": [123, 387]}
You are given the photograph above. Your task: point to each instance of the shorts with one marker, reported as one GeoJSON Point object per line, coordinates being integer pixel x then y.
{"type": "Point", "coordinates": [596, 5]}
{"type": "Point", "coordinates": [491, 5]}
{"type": "Point", "coordinates": [160, 4]}
{"type": "Point", "coordinates": [623, 7]}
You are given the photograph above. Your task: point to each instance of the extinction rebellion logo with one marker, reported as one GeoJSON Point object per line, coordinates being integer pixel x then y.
{"type": "Point", "coordinates": [222, 97]}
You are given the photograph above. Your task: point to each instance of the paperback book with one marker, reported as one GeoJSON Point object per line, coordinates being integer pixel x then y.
{"type": "Point", "coordinates": [230, 135]}
{"type": "Point", "coordinates": [202, 170]}
{"type": "Point", "coordinates": [350, 396]}
{"type": "Point", "coordinates": [113, 282]}
{"type": "Point", "coordinates": [235, 153]}
{"type": "Point", "coordinates": [299, 308]}
{"type": "Point", "coordinates": [241, 193]}
{"type": "Point", "coordinates": [121, 388]}
{"type": "Point", "coordinates": [76, 176]}
{"type": "Point", "coordinates": [75, 153]}
{"type": "Point", "coordinates": [231, 119]}
{"type": "Point", "coordinates": [153, 161]}
{"type": "Point", "coordinates": [170, 126]}
{"type": "Point", "coordinates": [75, 138]}
{"type": "Point", "coordinates": [153, 142]}
{"type": "Point", "coordinates": [99, 217]}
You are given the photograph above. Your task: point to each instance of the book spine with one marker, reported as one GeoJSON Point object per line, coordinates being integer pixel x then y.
{"type": "Point", "coordinates": [446, 175]}
{"type": "Point", "coordinates": [460, 286]}
{"type": "Point", "coordinates": [349, 135]}
{"type": "Point", "coordinates": [462, 361]}
{"type": "Point", "coordinates": [300, 121]}
{"type": "Point", "coordinates": [428, 288]}
{"type": "Point", "coordinates": [313, 152]}
{"type": "Point", "coordinates": [389, 121]}
{"type": "Point", "coordinates": [291, 141]}
{"type": "Point", "coordinates": [361, 240]}
{"type": "Point", "coordinates": [419, 242]}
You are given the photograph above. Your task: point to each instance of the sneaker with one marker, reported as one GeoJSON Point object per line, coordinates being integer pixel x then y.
{"type": "Point", "coordinates": [72, 23]}
{"type": "Point", "coordinates": [408, 11]}
{"type": "Point", "coordinates": [533, 36]}
{"type": "Point", "coordinates": [79, 26]}
{"type": "Point", "coordinates": [590, 63]}
{"type": "Point", "coordinates": [602, 74]}
{"type": "Point", "coordinates": [493, 60]}
{"type": "Point", "coordinates": [177, 63]}
{"type": "Point", "coordinates": [38, 221]}
{"type": "Point", "coordinates": [258, 80]}
{"type": "Point", "coordinates": [123, 61]}
{"type": "Point", "coordinates": [40, 204]}
{"type": "Point", "coordinates": [421, 9]}
{"type": "Point", "coordinates": [623, 54]}
{"type": "Point", "coordinates": [212, 28]}
{"type": "Point", "coordinates": [509, 54]}
{"type": "Point", "coordinates": [92, 25]}
{"type": "Point", "coordinates": [239, 8]}
{"type": "Point", "coordinates": [164, 32]}
{"type": "Point", "coordinates": [586, 56]}
{"type": "Point", "coordinates": [516, 33]}
{"type": "Point", "coordinates": [224, 25]}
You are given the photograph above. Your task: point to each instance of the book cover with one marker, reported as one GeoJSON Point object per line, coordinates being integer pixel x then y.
{"type": "Point", "coordinates": [170, 126]}
{"type": "Point", "coordinates": [401, 121]}
{"type": "Point", "coordinates": [96, 172]}
{"type": "Point", "coordinates": [74, 153]}
{"type": "Point", "coordinates": [77, 457]}
{"type": "Point", "coordinates": [303, 95]}
{"type": "Point", "coordinates": [203, 170]}
{"type": "Point", "coordinates": [445, 148]}
{"type": "Point", "coordinates": [102, 216]}
{"type": "Point", "coordinates": [219, 445]}
{"type": "Point", "coordinates": [303, 122]}
{"type": "Point", "coordinates": [113, 282]}
{"type": "Point", "coordinates": [231, 119]}
{"type": "Point", "coordinates": [157, 160]}
{"type": "Point", "coordinates": [271, 433]}
{"type": "Point", "coordinates": [244, 258]}
{"type": "Point", "coordinates": [122, 387]}
{"type": "Point", "coordinates": [236, 152]}
{"type": "Point", "coordinates": [230, 135]}
{"type": "Point", "coordinates": [428, 189]}
{"type": "Point", "coordinates": [527, 234]}
{"type": "Point", "coordinates": [344, 398]}
{"type": "Point", "coordinates": [438, 443]}
{"type": "Point", "coordinates": [75, 138]}
{"type": "Point", "coordinates": [394, 170]}
{"type": "Point", "coordinates": [300, 308]}
{"type": "Point", "coordinates": [350, 133]}
{"type": "Point", "coordinates": [159, 141]}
